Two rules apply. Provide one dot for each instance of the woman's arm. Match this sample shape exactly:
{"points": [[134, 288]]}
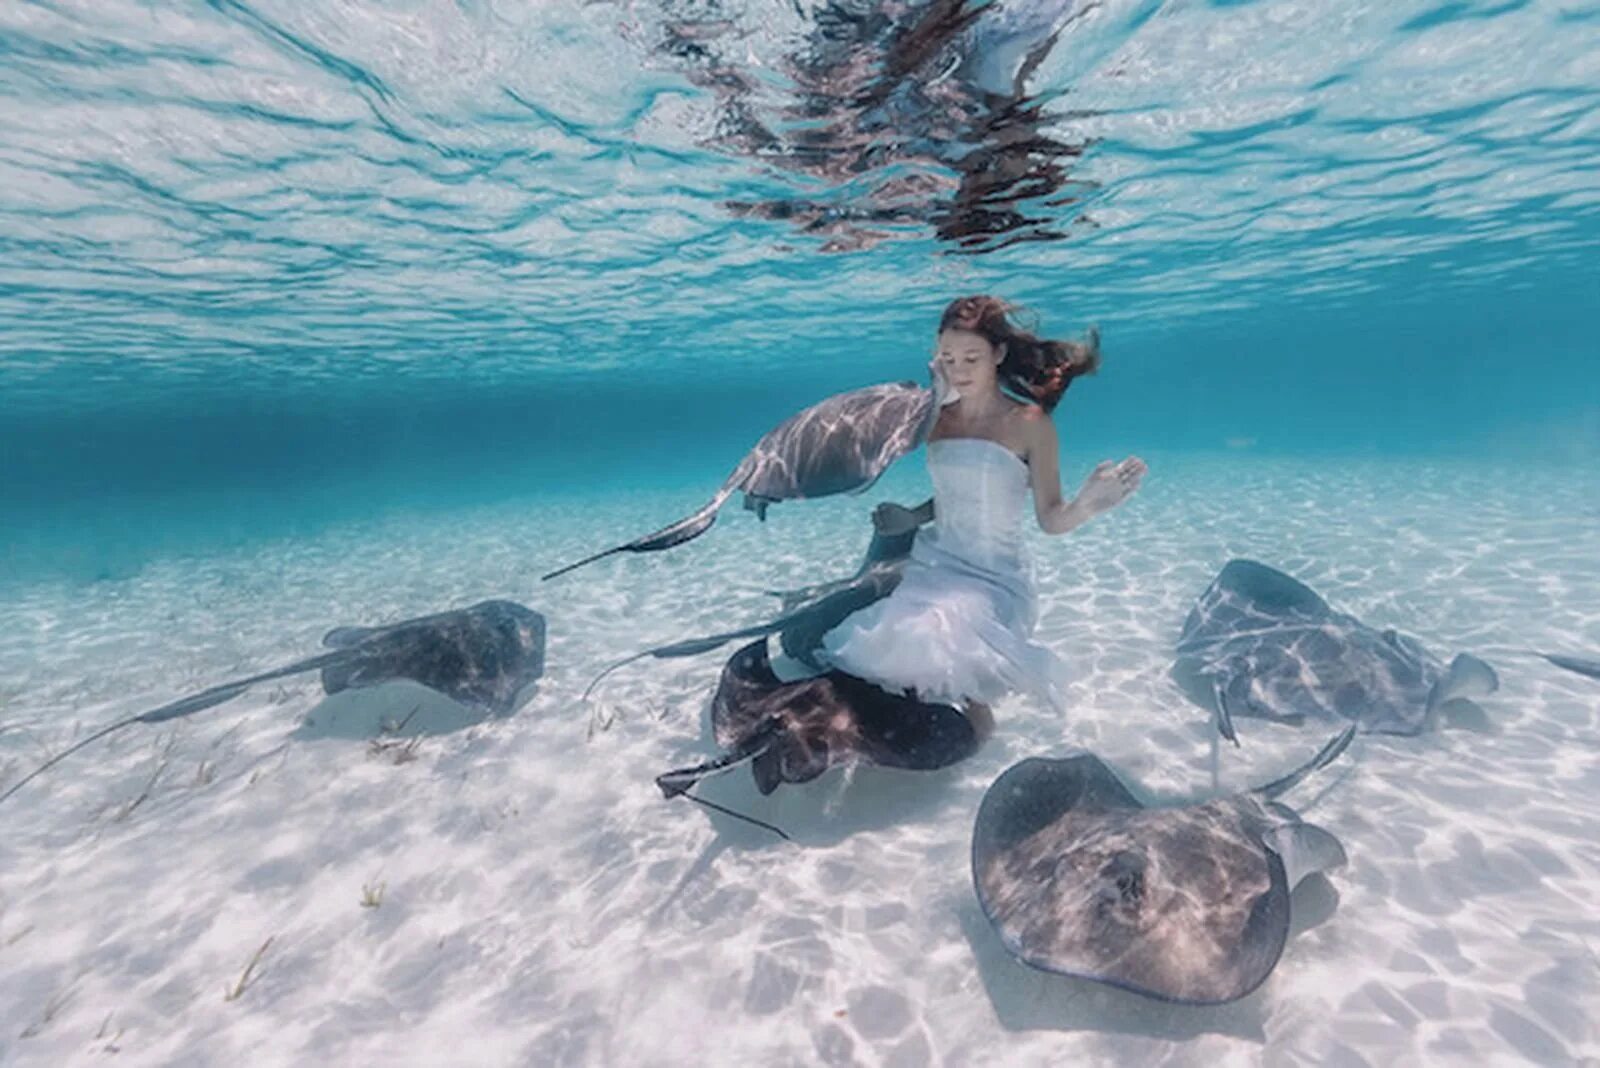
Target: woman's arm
{"points": [[1107, 486]]}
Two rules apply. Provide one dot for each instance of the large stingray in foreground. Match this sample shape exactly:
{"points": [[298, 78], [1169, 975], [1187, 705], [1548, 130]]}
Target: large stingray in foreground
{"points": [[1187, 903], [791, 732], [840, 445], [483, 656], [1260, 643]]}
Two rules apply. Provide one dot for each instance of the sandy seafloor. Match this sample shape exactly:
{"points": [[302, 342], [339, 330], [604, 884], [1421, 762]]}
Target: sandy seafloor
{"points": [[541, 904]]}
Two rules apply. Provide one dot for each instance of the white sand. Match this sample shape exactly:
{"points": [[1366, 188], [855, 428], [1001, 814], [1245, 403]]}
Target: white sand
{"points": [[542, 905]]}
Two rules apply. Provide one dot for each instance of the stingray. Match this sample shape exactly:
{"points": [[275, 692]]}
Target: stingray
{"points": [[883, 549], [483, 656], [792, 732], [1261, 644], [840, 445], [1186, 903], [806, 614]]}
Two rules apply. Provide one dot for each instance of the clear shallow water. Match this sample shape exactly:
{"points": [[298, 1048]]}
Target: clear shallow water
{"points": [[340, 315], [542, 904]]}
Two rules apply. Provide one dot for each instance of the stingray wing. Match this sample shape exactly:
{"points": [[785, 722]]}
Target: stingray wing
{"points": [[1249, 596], [804, 626]]}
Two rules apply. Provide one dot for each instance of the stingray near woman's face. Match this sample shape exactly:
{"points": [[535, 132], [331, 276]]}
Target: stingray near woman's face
{"points": [[1187, 903], [792, 732], [483, 656], [841, 445], [1259, 643]]}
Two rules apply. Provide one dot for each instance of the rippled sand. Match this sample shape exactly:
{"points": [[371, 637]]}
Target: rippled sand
{"points": [[539, 903]]}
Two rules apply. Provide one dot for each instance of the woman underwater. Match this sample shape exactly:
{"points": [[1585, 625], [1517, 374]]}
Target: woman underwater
{"points": [[958, 627]]}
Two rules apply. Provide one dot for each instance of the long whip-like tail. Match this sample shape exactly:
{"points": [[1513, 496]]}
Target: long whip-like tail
{"points": [[676, 783], [676, 534], [1325, 756], [726, 811], [183, 707]]}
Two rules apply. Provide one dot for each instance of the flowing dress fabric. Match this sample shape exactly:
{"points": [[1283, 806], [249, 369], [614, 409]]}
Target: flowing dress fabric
{"points": [[960, 622]]}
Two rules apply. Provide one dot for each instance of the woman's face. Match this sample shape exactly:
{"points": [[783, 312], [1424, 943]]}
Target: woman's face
{"points": [[969, 361]]}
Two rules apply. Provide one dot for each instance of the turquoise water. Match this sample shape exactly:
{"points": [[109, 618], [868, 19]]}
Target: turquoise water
{"points": [[265, 266], [315, 315]]}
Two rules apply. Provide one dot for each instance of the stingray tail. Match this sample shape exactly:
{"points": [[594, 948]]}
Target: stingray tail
{"points": [[624, 662], [1325, 756], [763, 824], [764, 737], [229, 690], [1224, 716], [183, 707], [59, 757], [683, 530], [586, 560], [678, 782], [688, 647]]}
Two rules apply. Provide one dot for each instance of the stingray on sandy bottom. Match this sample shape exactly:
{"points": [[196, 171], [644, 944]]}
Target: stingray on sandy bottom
{"points": [[839, 445], [792, 732], [1262, 644], [483, 656], [1187, 903]]}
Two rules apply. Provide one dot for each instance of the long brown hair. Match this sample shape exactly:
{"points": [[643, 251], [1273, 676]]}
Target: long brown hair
{"points": [[1035, 367]]}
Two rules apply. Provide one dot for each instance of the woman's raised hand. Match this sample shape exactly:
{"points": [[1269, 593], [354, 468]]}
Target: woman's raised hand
{"points": [[1110, 483], [942, 389]]}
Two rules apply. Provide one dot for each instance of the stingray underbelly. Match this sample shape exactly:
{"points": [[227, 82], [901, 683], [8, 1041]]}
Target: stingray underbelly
{"points": [[1178, 903]]}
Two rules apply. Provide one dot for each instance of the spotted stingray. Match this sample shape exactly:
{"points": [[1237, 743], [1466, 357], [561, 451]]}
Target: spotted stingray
{"points": [[792, 732], [1186, 903], [484, 656], [1260, 643]]}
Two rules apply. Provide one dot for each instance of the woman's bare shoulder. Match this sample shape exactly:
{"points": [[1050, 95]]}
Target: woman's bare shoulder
{"points": [[1029, 419], [1026, 411]]}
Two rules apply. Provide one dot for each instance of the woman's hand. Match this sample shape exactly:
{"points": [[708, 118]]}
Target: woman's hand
{"points": [[890, 520], [1109, 484], [943, 392]]}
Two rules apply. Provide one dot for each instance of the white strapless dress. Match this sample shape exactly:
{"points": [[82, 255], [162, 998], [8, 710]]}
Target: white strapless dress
{"points": [[960, 622]]}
